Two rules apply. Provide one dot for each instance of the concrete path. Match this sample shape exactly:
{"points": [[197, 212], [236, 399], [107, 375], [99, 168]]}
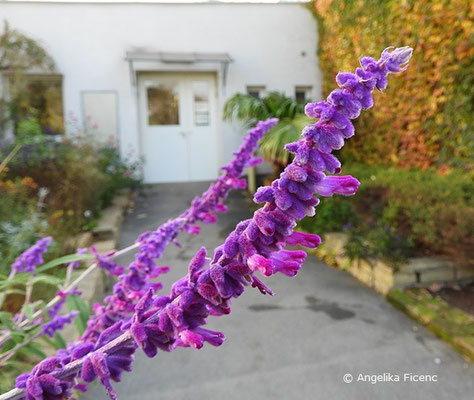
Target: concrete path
{"points": [[321, 325]]}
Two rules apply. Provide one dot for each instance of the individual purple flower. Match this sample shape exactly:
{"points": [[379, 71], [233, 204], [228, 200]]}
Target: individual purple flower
{"points": [[108, 366], [149, 337], [106, 263], [308, 240], [196, 337], [40, 384], [32, 257]]}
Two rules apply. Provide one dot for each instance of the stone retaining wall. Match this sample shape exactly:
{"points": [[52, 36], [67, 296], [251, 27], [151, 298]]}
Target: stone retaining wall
{"points": [[381, 276]]}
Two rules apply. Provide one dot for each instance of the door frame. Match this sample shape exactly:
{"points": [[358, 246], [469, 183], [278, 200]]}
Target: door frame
{"points": [[185, 77], [217, 68]]}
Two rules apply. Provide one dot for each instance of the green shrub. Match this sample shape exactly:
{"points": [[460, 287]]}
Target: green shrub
{"points": [[21, 219], [121, 172], [378, 241], [28, 128], [332, 215], [397, 213], [79, 178]]}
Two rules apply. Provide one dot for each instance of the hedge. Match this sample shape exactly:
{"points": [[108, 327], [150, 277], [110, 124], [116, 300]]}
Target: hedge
{"points": [[428, 120]]}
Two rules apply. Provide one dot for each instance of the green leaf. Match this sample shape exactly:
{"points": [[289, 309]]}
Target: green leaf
{"points": [[17, 336], [63, 260], [28, 310], [19, 279], [35, 349], [48, 341], [59, 342], [50, 279], [6, 320], [75, 302]]}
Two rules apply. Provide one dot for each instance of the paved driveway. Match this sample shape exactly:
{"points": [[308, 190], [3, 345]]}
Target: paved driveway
{"points": [[321, 325]]}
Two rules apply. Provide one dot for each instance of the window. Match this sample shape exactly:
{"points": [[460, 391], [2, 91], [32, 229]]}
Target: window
{"points": [[43, 100], [256, 91], [163, 104], [303, 94], [201, 103]]}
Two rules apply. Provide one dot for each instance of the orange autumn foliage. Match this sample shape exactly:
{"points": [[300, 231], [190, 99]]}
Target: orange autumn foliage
{"points": [[426, 118]]}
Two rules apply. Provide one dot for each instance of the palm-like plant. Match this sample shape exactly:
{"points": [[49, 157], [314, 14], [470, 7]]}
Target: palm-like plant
{"points": [[249, 110]]}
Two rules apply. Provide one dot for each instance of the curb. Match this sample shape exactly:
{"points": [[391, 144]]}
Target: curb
{"points": [[452, 325]]}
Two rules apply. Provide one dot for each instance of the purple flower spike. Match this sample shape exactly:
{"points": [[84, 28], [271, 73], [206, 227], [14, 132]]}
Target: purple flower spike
{"points": [[58, 322], [32, 257], [135, 283]]}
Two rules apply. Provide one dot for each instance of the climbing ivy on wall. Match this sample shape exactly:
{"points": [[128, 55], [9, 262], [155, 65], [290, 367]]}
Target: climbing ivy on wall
{"points": [[430, 122]]}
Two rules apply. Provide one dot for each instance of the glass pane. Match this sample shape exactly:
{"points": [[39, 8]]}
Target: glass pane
{"points": [[302, 93], [300, 96], [201, 103], [43, 98], [163, 105], [256, 92]]}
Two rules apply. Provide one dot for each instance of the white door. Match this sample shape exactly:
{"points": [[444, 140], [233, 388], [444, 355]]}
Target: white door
{"points": [[178, 126]]}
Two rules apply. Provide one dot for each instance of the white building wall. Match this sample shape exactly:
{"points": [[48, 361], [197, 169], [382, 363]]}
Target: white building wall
{"points": [[271, 44]]}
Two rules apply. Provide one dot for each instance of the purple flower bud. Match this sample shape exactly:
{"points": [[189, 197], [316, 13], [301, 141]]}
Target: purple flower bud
{"points": [[396, 59], [264, 223], [40, 384], [345, 185], [345, 102], [308, 240], [296, 173], [264, 289], [106, 263], [263, 194]]}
